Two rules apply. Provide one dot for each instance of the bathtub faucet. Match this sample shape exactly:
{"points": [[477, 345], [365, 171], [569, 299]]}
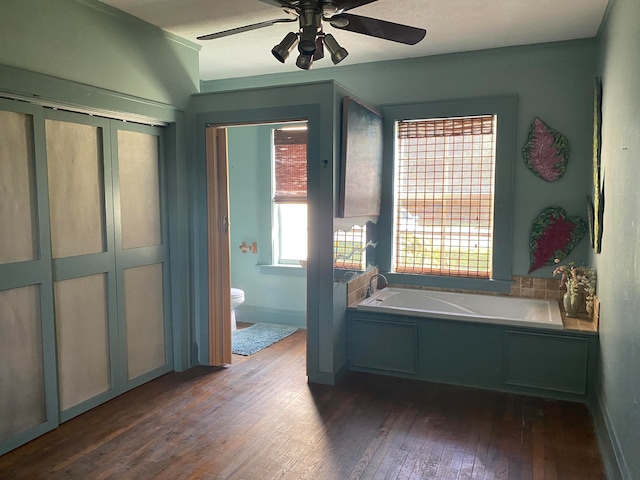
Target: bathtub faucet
{"points": [[371, 289]]}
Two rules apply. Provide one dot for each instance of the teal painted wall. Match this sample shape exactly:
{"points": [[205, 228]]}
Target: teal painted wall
{"points": [[266, 294], [88, 42], [618, 265], [552, 81]]}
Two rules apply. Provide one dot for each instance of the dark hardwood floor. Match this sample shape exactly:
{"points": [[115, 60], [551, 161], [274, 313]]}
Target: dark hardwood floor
{"points": [[259, 419]]}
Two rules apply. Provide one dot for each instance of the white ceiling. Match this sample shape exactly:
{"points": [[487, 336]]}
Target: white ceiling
{"points": [[452, 26]]}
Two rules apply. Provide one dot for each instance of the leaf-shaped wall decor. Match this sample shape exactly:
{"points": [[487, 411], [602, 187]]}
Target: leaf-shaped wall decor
{"points": [[553, 236], [546, 152]]}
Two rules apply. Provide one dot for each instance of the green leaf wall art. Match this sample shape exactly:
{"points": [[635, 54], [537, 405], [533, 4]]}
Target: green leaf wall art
{"points": [[546, 152], [553, 235], [598, 181]]}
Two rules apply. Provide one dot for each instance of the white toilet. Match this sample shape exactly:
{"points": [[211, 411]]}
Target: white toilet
{"points": [[237, 299]]}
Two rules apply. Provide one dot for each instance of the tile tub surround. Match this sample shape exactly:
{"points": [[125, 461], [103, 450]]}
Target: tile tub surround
{"points": [[357, 287], [553, 289], [543, 288]]}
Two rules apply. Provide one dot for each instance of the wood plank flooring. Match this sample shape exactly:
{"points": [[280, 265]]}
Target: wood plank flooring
{"points": [[260, 419]]}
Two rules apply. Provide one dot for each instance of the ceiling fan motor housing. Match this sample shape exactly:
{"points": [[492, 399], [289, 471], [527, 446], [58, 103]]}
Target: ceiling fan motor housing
{"points": [[310, 25]]}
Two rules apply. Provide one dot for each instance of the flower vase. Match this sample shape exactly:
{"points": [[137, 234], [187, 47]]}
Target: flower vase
{"points": [[572, 304]]}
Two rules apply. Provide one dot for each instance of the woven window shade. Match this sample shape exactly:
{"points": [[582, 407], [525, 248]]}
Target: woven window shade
{"points": [[349, 248], [444, 196], [290, 161]]}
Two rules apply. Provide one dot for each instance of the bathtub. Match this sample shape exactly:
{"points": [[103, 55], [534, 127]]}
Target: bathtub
{"points": [[524, 312]]}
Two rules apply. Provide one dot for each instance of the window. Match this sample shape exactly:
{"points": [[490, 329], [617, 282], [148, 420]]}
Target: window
{"points": [[290, 206], [407, 223], [444, 194], [349, 248], [290, 197]]}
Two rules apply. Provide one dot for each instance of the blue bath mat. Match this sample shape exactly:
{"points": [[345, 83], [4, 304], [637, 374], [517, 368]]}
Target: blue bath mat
{"points": [[247, 341]]}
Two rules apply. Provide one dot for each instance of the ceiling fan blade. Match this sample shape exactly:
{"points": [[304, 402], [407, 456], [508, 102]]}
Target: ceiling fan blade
{"points": [[345, 5], [319, 49], [373, 27], [280, 3], [246, 28]]}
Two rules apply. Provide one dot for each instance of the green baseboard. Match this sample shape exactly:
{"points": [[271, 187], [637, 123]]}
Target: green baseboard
{"points": [[612, 457], [255, 314]]}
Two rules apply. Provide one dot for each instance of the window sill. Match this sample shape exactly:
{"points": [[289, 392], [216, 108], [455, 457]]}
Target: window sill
{"points": [[286, 270]]}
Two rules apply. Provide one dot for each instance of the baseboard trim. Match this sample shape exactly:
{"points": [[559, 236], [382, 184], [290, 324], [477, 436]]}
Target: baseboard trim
{"points": [[255, 314], [327, 378], [612, 456]]}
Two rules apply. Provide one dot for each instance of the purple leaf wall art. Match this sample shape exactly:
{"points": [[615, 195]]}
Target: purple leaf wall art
{"points": [[546, 152], [553, 235]]}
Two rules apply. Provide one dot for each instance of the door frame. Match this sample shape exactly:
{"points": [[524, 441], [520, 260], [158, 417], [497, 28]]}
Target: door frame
{"points": [[309, 113]]}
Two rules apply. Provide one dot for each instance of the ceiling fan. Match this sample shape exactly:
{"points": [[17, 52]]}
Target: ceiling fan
{"points": [[310, 37]]}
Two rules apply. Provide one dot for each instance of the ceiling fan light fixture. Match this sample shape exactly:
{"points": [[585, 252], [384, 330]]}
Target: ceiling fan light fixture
{"points": [[304, 61], [307, 45], [338, 53], [283, 49]]}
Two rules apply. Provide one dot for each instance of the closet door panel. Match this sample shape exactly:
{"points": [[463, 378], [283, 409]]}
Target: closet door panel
{"points": [[76, 189], [18, 208], [22, 396], [139, 178], [83, 339], [144, 320]]}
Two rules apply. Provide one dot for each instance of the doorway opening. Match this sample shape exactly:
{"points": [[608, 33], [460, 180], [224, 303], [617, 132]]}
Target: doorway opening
{"points": [[257, 217]]}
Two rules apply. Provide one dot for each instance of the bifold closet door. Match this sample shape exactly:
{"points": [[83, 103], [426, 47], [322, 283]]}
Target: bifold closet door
{"points": [[81, 212], [109, 256], [141, 252], [28, 396], [84, 280]]}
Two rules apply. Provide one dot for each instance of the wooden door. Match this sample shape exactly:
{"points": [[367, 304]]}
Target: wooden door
{"points": [[218, 247]]}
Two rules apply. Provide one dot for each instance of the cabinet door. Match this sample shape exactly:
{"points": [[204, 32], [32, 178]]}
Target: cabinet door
{"points": [[386, 346], [550, 362], [463, 353]]}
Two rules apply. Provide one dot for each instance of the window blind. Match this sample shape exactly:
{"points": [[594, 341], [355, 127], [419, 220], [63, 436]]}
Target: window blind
{"points": [[445, 173], [290, 164], [349, 248]]}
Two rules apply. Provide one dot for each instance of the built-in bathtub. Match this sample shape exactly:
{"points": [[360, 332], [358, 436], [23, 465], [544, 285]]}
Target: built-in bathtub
{"points": [[526, 312]]}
